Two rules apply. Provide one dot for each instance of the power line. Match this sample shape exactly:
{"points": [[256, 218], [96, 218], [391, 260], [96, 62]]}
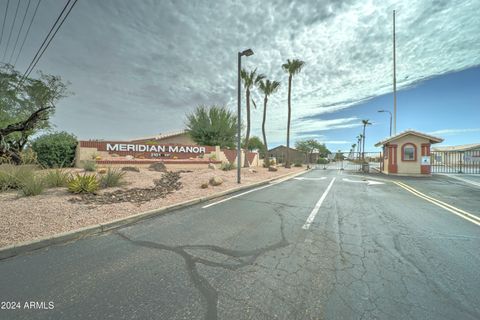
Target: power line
{"points": [[40, 51], [26, 33], [19, 31], [4, 19], [11, 29]]}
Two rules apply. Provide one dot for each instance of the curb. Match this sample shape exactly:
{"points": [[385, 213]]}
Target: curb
{"points": [[59, 238]]}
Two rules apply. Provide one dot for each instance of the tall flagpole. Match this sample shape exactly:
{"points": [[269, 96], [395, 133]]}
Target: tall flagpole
{"points": [[394, 82]]}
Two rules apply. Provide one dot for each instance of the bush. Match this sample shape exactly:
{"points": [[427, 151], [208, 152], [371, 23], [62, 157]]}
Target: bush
{"points": [[322, 161], [268, 163], [83, 184], [57, 178], [227, 166], [298, 164], [28, 156], [12, 176], [32, 186], [55, 149], [90, 166], [112, 178]]}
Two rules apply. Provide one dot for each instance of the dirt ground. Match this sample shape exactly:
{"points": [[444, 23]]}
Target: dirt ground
{"points": [[27, 218]]}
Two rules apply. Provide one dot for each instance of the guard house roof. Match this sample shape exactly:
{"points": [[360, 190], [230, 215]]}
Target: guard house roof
{"points": [[432, 139], [464, 147]]}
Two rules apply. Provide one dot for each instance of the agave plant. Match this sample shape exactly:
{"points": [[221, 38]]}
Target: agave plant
{"points": [[86, 183]]}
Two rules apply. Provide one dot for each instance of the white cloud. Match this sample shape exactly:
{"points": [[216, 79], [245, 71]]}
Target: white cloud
{"points": [[136, 68], [452, 132]]}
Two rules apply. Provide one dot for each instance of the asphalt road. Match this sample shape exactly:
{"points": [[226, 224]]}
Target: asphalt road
{"points": [[370, 251]]}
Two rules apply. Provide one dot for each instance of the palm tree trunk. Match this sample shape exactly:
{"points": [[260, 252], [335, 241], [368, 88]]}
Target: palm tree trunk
{"points": [[247, 135], [363, 144], [287, 161], [263, 132]]}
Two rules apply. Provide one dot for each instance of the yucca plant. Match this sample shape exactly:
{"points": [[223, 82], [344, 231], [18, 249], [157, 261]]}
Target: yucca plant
{"points": [[86, 183], [112, 178], [57, 178]]}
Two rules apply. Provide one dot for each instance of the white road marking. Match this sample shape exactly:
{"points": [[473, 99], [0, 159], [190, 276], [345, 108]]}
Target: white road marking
{"points": [[459, 212], [368, 182], [249, 191], [301, 178], [314, 212], [238, 195]]}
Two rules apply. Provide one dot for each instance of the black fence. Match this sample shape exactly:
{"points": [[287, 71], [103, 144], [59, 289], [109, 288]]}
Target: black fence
{"points": [[455, 162]]}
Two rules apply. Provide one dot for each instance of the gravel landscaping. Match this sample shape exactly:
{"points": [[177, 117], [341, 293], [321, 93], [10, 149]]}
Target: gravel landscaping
{"points": [[57, 210]]}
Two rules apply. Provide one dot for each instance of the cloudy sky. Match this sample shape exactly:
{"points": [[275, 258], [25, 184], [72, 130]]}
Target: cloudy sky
{"points": [[136, 67]]}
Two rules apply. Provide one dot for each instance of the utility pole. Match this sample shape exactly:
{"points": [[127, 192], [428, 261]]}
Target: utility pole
{"points": [[394, 81]]}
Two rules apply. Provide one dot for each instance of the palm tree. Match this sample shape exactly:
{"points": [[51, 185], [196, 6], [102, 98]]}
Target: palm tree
{"points": [[365, 123], [359, 145], [267, 87], [292, 67], [353, 151], [250, 79]]}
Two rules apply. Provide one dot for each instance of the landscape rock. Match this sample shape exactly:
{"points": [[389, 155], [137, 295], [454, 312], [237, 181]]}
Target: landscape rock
{"points": [[212, 166], [157, 166], [216, 181], [252, 170], [102, 171], [168, 183], [204, 185], [132, 169], [272, 168]]}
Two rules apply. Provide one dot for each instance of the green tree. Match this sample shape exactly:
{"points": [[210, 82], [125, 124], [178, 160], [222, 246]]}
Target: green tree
{"points": [[25, 108], [254, 143], [250, 79], [310, 146], [55, 150], [212, 126], [267, 87], [292, 67]]}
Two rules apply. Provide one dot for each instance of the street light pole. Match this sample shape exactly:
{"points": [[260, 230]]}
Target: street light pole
{"points": [[390, 119], [246, 53]]}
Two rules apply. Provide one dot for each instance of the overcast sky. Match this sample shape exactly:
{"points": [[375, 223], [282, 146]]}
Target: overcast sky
{"points": [[136, 67]]}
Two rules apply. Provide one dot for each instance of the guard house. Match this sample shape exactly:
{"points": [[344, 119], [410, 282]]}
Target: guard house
{"points": [[407, 153]]}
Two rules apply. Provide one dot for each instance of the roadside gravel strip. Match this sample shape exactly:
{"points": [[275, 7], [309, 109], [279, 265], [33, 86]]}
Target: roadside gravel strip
{"points": [[20, 248]]}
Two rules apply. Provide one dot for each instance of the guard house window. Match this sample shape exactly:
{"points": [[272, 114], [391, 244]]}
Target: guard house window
{"points": [[409, 152]]}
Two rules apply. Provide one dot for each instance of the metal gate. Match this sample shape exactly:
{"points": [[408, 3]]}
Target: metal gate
{"points": [[354, 161], [455, 161]]}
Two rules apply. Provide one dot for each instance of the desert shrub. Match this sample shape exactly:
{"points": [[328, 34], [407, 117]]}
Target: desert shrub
{"points": [[268, 163], [12, 176], [28, 156], [322, 161], [32, 186], [112, 178], [132, 169], [55, 149], [57, 178], [298, 164], [227, 166], [86, 183], [90, 166]]}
